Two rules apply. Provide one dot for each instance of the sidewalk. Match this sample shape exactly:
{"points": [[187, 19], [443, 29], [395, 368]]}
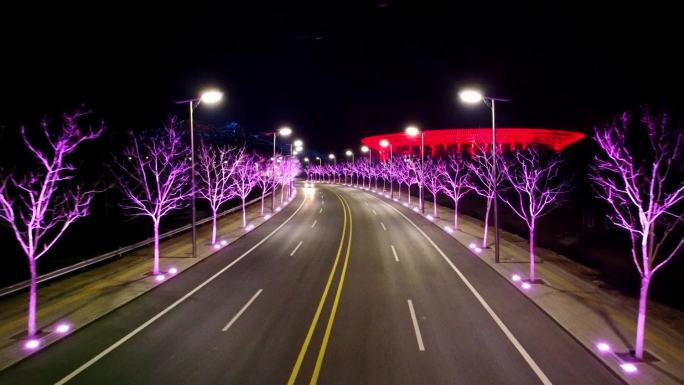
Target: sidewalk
{"points": [[578, 302], [87, 296]]}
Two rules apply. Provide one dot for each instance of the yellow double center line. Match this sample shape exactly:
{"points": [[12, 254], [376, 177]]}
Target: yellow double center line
{"points": [[328, 329]]}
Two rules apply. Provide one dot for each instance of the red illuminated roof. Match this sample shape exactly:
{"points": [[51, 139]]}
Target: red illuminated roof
{"points": [[458, 137]]}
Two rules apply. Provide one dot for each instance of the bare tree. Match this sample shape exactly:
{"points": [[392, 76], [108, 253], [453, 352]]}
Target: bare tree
{"points": [[40, 206], [456, 182], [245, 178], [484, 182], [634, 175], [217, 166], [434, 172], [267, 183], [536, 189], [153, 175]]}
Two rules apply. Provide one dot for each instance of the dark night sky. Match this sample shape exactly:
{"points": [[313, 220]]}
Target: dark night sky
{"points": [[336, 72]]}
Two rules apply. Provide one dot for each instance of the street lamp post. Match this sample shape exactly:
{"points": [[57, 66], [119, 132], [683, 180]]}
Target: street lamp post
{"points": [[351, 177], [208, 97], [386, 143], [472, 97], [413, 131], [370, 160], [298, 147], [283, 131], [331, 156]]}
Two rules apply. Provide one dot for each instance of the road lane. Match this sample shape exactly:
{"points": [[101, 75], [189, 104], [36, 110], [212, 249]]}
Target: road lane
{"points": [[373, 340], [186, 344]]}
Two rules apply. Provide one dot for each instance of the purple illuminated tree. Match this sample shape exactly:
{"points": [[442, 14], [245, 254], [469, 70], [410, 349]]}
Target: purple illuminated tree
{"points": [[154, 177], [266, 182], [216, 168], [415, 174], [456, 182], [40, 206], [246, 176], [401, 173], [433, 180], [483, 182], [536, 189], [635, 176]]}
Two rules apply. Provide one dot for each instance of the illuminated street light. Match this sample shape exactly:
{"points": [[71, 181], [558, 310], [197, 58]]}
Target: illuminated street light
{"points": [[472, 96], [298, 143], [284, 132], [386, 143], [211, 96], [413, 131]]}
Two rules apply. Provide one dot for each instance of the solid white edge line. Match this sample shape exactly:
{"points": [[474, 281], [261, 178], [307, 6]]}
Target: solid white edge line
{"points": [[236, 316], [396, 258], [514, 341], [383, 226], [416, 328], [314, 224], [170, 307], [296, 247]]}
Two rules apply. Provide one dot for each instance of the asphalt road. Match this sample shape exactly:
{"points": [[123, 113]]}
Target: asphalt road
{"points": [[339, 288]]}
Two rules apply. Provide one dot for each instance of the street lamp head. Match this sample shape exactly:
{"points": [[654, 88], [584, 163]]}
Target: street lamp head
{"points": [[285, 131], [331, 156], [295, 152], [211, 96], [298, 143], [306, 159], [412, 131], [470, 96], [364, 149], [384, 143], [349, 153], [299, 149], [318, 158]]}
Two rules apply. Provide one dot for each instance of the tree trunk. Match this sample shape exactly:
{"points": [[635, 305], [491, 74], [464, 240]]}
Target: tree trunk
{"points": [[244, 213], [213, 227], [262, 203], [486, 222], [155, 263], [533, 273], [434, 205], [641, 318], [455, 214], [408, 192], [33, 294]]}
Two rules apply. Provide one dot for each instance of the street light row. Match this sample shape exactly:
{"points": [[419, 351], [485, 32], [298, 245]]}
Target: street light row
{"points": [[468, 96], [214, 96]]}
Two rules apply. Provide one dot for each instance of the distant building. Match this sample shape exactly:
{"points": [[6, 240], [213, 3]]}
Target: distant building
{"points": [[453, 140]]}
